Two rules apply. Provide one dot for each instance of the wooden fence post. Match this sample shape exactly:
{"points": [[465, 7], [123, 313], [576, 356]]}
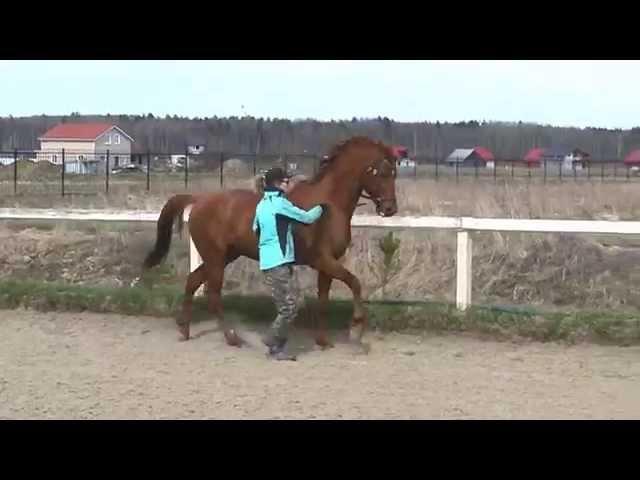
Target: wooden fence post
{"points": [[463, 270]]}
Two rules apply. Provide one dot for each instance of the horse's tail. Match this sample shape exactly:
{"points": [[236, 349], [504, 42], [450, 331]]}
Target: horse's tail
{"points": [[172, 209]]}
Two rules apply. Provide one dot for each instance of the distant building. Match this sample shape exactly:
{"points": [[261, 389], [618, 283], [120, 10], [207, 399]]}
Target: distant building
{"points": [[177, 160], [196, 149], [85, 146], [569, 158], [576, 158], [402, 157], [633, 160], [470, 157], [534, 157]]}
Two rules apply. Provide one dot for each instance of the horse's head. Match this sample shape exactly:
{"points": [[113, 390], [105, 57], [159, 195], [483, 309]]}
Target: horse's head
{"points": [[379, 180], [370, 166]]}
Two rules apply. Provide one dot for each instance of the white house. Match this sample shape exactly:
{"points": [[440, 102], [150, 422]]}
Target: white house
{"points": [[4, 161], [406, 163], [85, 147], [575, 159], [196, 149]]}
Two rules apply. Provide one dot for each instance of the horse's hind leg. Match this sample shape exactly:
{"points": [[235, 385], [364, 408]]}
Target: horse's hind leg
{"points": [[215, 278], [194, 280], [324, 286]]}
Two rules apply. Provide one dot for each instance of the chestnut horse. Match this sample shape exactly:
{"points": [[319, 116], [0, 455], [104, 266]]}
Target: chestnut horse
{"points": [[220, 227]]}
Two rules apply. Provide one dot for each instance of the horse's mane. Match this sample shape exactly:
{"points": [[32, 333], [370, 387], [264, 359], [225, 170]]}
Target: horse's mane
{"points": [[340, 148], [326, 164]]}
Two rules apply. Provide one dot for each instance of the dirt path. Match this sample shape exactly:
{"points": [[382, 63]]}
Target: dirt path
{"points": [[85, 365]]}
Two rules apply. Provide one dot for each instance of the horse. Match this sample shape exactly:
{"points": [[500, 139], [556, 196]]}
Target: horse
{"points": [[220, 225]]}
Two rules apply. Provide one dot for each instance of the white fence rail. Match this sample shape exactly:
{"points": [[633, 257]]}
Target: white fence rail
{"points": [[462, 225]]}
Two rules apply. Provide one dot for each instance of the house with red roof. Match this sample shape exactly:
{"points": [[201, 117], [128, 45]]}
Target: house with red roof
{"points": [[470, 157], [570, 158], [86, 146], [403, 160], [633, 158]]}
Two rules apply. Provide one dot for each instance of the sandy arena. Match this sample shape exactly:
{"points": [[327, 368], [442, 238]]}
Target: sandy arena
{"points": [[92, 366]]}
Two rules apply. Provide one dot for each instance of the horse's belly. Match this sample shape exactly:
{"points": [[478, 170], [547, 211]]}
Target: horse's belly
{"points": [[245, 243]]}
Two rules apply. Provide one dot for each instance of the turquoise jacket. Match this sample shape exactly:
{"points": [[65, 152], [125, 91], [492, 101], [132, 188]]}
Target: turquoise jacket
{"points": [[272, 223]]}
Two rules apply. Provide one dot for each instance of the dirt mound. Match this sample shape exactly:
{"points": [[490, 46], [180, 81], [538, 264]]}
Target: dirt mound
{"points": [[30, 171], [561, 270], [108, 259]]}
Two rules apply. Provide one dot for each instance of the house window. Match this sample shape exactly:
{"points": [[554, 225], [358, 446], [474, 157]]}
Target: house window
{"points": [[116, 139], [116, 160], [108, 142], [80, 158], [54, 158]]}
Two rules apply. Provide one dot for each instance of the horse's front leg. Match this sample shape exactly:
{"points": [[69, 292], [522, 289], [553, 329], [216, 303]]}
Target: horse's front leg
{"points": [[332, 268], [215, 278]]}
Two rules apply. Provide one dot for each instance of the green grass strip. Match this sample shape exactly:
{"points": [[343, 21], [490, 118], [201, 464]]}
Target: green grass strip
{"points": [[501, 322]]}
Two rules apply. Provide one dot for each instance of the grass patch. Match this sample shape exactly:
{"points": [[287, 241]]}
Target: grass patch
{"points": [[498, 322]]}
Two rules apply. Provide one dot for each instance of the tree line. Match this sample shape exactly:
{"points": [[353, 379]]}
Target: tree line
{"points": [[249, 135]]}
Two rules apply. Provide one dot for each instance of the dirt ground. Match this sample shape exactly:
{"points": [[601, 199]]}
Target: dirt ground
{"points": [[92, 366]]}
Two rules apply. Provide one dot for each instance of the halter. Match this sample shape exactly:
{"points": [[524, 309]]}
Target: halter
{"points": [[375, 171]]}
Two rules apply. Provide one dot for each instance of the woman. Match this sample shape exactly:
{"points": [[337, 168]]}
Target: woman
{"points": [[272, 223]]}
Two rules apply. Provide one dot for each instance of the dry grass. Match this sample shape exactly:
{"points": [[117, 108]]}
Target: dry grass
{"points": [[584, 200]]}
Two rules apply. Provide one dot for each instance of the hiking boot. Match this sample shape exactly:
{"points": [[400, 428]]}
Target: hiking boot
{"points": [[281, 355], [276, 348], [274, 342]]}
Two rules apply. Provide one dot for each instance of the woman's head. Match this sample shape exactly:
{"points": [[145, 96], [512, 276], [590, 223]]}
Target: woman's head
{"points": [[277, 178]]}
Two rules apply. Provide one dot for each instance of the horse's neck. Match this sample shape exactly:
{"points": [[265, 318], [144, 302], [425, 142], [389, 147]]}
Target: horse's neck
{"points": [[336, 187], [341, 192]]}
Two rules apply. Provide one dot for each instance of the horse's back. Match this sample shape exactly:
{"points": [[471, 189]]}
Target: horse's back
{"points": [[218, 203], [224, 219]]}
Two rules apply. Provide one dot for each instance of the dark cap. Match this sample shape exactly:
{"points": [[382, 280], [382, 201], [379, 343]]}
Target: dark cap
{"points": [[274, 175]]}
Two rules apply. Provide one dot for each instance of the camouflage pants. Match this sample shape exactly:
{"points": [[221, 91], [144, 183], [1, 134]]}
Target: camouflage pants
{"points": [[283, 291]]}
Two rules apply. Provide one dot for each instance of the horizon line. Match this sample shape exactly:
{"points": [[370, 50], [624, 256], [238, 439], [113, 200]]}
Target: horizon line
{"points": [[308, 119]]}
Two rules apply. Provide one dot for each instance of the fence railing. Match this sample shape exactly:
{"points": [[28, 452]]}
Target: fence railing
{"points": [[463, 226], [81, 172]]}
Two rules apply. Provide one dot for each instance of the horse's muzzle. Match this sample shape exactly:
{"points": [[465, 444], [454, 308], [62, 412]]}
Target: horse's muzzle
{"points": [[387, 208]]}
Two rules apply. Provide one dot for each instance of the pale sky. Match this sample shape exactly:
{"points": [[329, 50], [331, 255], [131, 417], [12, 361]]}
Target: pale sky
{"points": [[561, 93]]}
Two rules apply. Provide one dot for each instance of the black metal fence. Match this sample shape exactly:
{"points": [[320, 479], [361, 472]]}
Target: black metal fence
{"points": [[506, 170], [76, 172]]}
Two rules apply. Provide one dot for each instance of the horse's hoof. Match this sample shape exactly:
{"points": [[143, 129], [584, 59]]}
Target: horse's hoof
{"points": [[356, 332], [324, 344], [360, 348], [184, 333], [233, 339]]}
